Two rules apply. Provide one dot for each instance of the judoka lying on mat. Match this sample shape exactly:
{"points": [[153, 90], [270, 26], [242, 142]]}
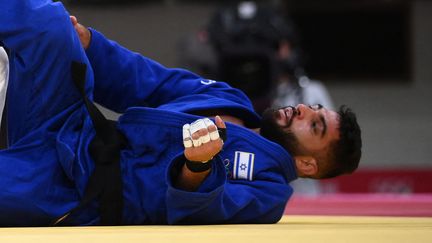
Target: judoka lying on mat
{"points": [[166, 161]]}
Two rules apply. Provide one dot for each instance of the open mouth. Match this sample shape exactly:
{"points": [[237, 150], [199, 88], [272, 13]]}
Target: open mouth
{"points": [[285, 116]]}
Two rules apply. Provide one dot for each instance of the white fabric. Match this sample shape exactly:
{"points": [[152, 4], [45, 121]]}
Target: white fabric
{"points": [[4, 78]]}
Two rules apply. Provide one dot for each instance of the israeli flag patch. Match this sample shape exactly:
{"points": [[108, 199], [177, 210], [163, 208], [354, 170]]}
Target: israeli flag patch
{"points": [[243, 165]]}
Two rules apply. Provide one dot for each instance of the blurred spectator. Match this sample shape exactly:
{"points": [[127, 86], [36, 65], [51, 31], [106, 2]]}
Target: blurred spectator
{"points": [[239, 45], [293, 86], [254, 49]]}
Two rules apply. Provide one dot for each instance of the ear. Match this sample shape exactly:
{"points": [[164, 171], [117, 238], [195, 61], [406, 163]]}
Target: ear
{"points": [[307, 166]]}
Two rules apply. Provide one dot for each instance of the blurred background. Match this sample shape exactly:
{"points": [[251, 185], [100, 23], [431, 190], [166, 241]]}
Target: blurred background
{"points": [[374, 56]]}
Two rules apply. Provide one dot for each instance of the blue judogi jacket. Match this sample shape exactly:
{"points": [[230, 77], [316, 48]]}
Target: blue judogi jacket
{"points": [[44, 172]]}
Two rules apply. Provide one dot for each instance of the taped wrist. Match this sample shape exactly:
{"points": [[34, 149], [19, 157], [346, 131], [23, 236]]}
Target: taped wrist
{"points": [[198, 166]]}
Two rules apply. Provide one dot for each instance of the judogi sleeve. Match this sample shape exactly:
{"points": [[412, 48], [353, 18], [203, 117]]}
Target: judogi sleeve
{"points": [[124, 78], [235, 201]]}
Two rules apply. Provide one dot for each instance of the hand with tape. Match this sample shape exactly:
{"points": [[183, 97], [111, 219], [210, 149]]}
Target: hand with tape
{"points": [[202, 140]]}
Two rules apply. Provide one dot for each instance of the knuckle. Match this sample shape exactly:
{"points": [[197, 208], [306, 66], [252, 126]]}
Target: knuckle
{"points": [[211, 128], [203, 132], [195, 135]]}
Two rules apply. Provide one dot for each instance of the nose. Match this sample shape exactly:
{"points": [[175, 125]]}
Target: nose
{"points": [[301, 111]]}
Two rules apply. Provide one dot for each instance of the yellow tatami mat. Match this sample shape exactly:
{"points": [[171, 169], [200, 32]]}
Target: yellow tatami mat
{"points": [[294, 229]]}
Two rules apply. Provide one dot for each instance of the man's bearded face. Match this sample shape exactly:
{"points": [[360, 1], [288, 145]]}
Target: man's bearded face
{"points": [[282, 135]]}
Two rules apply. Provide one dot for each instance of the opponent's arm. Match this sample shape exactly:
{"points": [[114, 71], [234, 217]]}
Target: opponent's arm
{"points": [[124, 78]]}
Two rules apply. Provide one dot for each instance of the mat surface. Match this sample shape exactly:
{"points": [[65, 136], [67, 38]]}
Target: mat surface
{"points": [[296, 229]]}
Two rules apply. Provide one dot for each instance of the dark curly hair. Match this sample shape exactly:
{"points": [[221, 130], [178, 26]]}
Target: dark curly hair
{"points": [[345, 153]]}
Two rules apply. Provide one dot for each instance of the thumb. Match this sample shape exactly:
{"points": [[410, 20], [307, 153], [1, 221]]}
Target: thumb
{"points": [[219, 122], [221, 128], [73, 20]]}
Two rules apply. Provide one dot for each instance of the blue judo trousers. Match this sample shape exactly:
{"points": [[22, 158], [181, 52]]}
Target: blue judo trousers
{"points": [[46, 168]]}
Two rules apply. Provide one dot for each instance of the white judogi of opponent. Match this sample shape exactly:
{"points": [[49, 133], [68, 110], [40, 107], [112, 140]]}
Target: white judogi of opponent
{"points": [[4, 77]]}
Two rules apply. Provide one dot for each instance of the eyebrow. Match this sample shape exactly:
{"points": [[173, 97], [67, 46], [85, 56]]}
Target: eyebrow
{"points": [[324, 130]]}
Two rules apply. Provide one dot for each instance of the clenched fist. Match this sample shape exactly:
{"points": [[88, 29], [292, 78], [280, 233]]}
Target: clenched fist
{"points": [[202, 140]]}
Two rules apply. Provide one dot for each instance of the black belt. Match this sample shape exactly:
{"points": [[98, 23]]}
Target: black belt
{"points": [[105, 184]]}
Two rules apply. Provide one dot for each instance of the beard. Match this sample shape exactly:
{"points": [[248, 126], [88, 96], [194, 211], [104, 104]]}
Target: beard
{"points": [[280, 135]]}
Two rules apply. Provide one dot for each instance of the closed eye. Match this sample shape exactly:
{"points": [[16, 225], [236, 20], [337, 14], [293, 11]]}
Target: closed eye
{"points": [[324, 125], [316, 107], [314, 127]]}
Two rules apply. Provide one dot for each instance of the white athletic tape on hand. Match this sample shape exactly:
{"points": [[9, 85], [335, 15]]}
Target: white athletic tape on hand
{"points": [[195, 127], [208, 122], [197, 142], [206, 138], [212, 135], [187, 139]]}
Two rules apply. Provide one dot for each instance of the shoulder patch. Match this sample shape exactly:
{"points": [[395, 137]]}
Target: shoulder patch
{"points": [[243, 165]]}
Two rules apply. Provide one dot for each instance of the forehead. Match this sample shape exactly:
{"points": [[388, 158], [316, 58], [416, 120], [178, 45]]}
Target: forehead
{"points": [[332, 120]]}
